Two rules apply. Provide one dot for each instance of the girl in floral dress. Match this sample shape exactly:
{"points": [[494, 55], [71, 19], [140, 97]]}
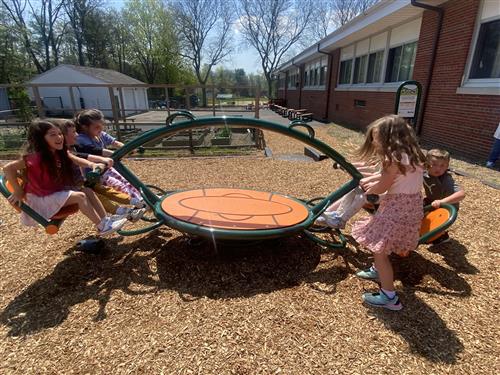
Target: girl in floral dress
{"points": [[395, 226]]}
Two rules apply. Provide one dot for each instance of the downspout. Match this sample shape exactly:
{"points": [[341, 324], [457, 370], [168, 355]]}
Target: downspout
{"points": [[300, 83], [440, 12], [330, 69]]}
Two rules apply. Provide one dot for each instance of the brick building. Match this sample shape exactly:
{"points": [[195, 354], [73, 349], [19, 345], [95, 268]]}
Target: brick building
{"points": [[452, 47]]}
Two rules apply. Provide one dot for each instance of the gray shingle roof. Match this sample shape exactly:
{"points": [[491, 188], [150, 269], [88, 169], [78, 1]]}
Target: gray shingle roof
{"points": [[106, 75]]}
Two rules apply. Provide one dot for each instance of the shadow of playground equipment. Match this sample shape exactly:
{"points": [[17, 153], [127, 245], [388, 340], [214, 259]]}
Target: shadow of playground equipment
{"points": [[192, 271], [259, 267], [199, 271]]}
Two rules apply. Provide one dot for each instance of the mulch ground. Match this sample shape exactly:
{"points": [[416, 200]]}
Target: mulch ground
{"points": [[158, 303]]}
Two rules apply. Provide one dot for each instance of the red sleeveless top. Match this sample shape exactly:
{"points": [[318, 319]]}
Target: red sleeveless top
{"points": [[39, 182]]}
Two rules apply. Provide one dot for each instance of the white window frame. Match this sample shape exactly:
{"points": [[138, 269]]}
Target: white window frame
{"points": [[478, 86], [381, 86], [313, 69]]}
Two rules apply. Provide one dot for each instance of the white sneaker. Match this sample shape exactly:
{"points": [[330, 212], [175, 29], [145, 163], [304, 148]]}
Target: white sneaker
{"points": [[110, 225], [490, 164], [334, 220], [122, 211], [137, 203], [135, 215]]}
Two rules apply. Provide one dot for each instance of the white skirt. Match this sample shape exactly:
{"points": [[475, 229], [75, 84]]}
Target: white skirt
{"points": [[46, 206]]}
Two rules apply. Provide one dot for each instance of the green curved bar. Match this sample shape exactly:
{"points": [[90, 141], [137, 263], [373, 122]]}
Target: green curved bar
{"points": [[224, 121], [25, 208], [141, 230], [332, 245], [179, 113], [453, 216], [308, 127]]}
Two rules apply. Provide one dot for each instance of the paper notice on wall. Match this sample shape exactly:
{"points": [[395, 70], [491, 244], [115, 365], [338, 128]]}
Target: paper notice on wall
{"points": [[408, 101]]}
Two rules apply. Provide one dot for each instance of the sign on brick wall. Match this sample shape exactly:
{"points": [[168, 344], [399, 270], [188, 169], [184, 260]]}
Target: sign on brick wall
{"points": [[408, 100]]}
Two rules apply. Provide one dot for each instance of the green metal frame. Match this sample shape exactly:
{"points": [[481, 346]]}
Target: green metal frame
{"points": [[161, 218], [154, 201]]}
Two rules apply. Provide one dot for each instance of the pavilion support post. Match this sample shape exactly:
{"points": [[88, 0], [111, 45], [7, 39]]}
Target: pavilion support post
{"points": [[114, 109], [73, 103], [38, 101]]}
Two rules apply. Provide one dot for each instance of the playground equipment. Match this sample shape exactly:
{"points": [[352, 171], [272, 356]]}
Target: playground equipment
{"points": [[239, 214]]}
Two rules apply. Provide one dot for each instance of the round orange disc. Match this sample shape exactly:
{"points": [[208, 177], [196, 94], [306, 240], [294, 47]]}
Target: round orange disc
{"points": [[235, 209], [432, 220]]}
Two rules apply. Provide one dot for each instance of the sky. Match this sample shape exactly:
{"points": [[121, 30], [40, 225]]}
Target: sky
{"points": [[242, 57]]}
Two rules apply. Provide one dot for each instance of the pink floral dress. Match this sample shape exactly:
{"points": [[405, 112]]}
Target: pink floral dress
{"points": [[396, 224]]}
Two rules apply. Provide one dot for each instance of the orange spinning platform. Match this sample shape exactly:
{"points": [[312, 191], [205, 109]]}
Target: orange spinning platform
{"points": [[236, 209]]}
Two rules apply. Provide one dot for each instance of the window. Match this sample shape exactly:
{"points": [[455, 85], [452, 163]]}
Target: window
{"points": [[314, 73], [375, 61], [486, 61], [400, 62], [359, 103], [345, 72], [322, 75], [293, 79], [360, 69]]}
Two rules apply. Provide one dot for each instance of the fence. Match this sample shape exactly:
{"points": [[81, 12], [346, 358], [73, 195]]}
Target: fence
{"points": [[121, 103]]}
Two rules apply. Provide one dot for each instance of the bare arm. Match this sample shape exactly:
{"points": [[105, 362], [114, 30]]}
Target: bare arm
{"points": [[117, 144], [101, 160], [10, 171], [382, 184], [450, 199], [81, 162]]}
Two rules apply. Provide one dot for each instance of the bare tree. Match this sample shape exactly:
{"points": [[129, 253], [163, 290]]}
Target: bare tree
{"points": [[204, 30], [16, 9], [273, 27], [78, 11], [331, 14], [44, 19]]}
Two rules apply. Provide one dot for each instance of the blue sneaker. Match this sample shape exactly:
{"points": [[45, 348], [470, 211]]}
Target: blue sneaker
{"points": [[380, 299], [369, 274]]}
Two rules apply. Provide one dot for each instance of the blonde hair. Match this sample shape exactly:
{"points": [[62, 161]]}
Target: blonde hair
{"points": [[396, 138], [438, 154]]}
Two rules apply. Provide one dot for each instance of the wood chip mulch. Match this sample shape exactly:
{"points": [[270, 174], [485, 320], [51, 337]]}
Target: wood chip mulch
{"points": [[159, 303]]}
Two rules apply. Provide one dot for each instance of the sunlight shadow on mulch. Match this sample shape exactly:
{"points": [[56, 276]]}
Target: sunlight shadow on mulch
{"points": [[423, 329], [192, 271], [81, 277], [233, 272]]}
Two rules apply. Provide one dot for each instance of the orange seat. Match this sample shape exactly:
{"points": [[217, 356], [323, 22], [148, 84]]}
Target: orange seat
{"points": [[432, 220], [61, 214], [65, 212]]}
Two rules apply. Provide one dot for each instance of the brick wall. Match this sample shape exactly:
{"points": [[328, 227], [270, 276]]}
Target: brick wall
{"points": [[292, 99], [343, 109], [315, 102], [463, 124]]}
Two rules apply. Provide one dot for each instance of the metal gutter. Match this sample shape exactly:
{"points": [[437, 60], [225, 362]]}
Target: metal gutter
{"points": [[435, 42], [329, 65], [300, 82]]}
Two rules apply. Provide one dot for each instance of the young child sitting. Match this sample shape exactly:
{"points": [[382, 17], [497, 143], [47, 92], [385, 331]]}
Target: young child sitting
{"points": [[439, 185], [109, 197], [50, 180], [93, 139]]}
